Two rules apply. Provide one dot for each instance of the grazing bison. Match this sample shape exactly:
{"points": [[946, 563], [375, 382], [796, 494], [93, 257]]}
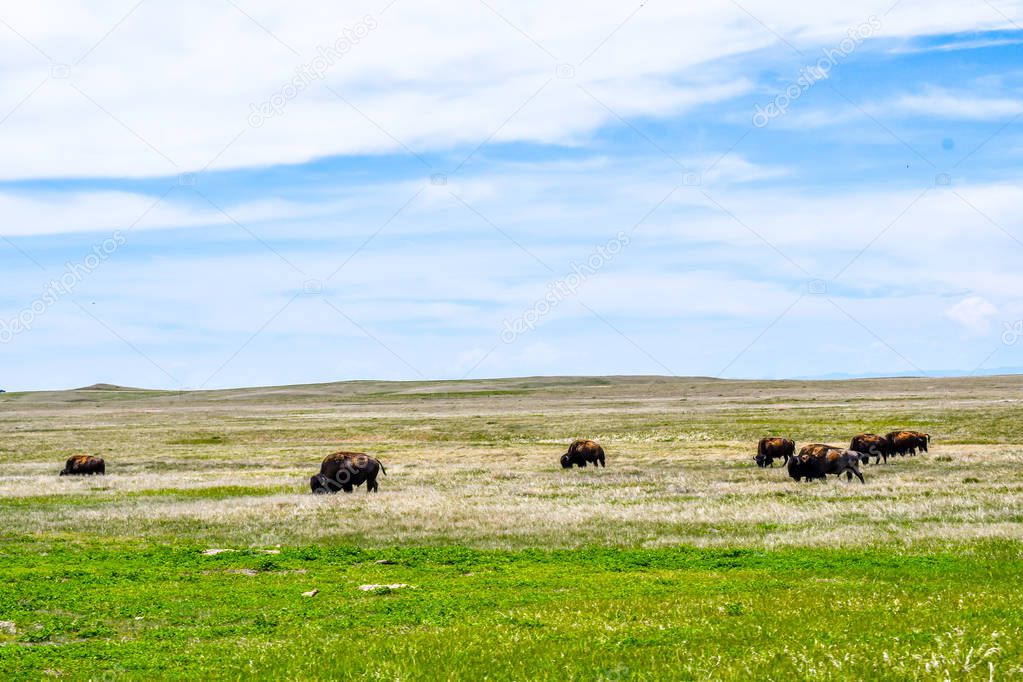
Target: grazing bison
{"points": [[908, 442], [817, 449], [770, 449], [582, 452], [345, 471], [871, 445], [84, 465], [818, 460]]}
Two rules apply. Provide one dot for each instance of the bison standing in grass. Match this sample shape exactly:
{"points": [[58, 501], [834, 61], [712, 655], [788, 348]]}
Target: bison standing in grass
{"points": [[770, 449], [908, 442], [818, 460], [84, 465], [871, 445], [583, 452], [345, 471]]}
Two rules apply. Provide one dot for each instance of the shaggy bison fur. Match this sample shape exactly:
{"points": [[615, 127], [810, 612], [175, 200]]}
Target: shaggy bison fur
{"points": [[908, 442], [84, 465], [770, 449], [818, 460], [583, 452], [345, 471], [871, 445]]}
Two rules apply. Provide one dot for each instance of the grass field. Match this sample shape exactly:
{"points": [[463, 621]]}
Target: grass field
{"points": [[681, 560]]}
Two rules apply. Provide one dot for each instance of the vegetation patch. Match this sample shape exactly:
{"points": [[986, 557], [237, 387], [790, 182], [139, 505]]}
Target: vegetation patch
{"points": [[139, 611]]}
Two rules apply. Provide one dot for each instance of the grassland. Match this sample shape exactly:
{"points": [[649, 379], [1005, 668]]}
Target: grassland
{"points": [[681, 560]]}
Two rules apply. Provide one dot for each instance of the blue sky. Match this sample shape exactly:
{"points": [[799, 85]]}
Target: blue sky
{"points": [[455, 166]]}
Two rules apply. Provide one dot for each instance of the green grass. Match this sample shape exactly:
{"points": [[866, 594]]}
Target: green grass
{"points": [[138, 612], [680, 560]]}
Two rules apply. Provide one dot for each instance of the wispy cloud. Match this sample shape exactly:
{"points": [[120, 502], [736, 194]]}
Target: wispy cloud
{"points": [[452, 163], [941, 103]]}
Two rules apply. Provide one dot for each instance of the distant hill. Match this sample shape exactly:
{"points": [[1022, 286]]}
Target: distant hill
{"points": [[106, 387]]}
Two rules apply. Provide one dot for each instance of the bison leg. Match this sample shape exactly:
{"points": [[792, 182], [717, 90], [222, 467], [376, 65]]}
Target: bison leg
{"points": [[371, 485]]}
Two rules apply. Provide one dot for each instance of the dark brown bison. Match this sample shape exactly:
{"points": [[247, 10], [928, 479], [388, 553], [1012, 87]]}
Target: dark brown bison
{"points": [[345, 471], [583, 452], [871, 445], [818, 460], [817, 449], [908, 442], [770, 449], [84, 465]]}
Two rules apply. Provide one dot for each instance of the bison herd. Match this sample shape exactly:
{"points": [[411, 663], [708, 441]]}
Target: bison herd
{"points": [[817, 460], [345, 471]]}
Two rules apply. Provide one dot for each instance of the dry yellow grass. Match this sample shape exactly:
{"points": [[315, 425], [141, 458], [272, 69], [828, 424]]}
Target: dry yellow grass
{"points": [[476, 463]]}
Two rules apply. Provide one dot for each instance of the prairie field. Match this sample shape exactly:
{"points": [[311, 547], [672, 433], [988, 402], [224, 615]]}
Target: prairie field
{"points": [[482, 558]]}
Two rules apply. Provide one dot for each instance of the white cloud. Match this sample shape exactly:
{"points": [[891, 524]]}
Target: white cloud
{"points": [[172, 85], [932, 102], [941, 103], [48, 213], [956, 45], [974, 314]]}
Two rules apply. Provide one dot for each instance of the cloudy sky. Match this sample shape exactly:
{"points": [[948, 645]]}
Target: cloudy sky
{"points": [[238, 192]]}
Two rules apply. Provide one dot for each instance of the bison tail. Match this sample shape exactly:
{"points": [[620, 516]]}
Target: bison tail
{"points": [[383, 469]]}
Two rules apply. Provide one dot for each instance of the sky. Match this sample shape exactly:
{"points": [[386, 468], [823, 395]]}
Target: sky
{"points": [[236, 192]]}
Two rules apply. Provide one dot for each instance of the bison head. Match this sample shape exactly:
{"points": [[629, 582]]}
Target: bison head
{"points": [[566, 461], [318, 485]]}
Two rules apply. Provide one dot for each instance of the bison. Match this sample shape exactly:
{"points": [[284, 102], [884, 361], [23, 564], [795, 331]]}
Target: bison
{"points": [[818, 460], [345, 471], [770, 449], [871, 445], [84, 465], [908, 442], [583, 452]]}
